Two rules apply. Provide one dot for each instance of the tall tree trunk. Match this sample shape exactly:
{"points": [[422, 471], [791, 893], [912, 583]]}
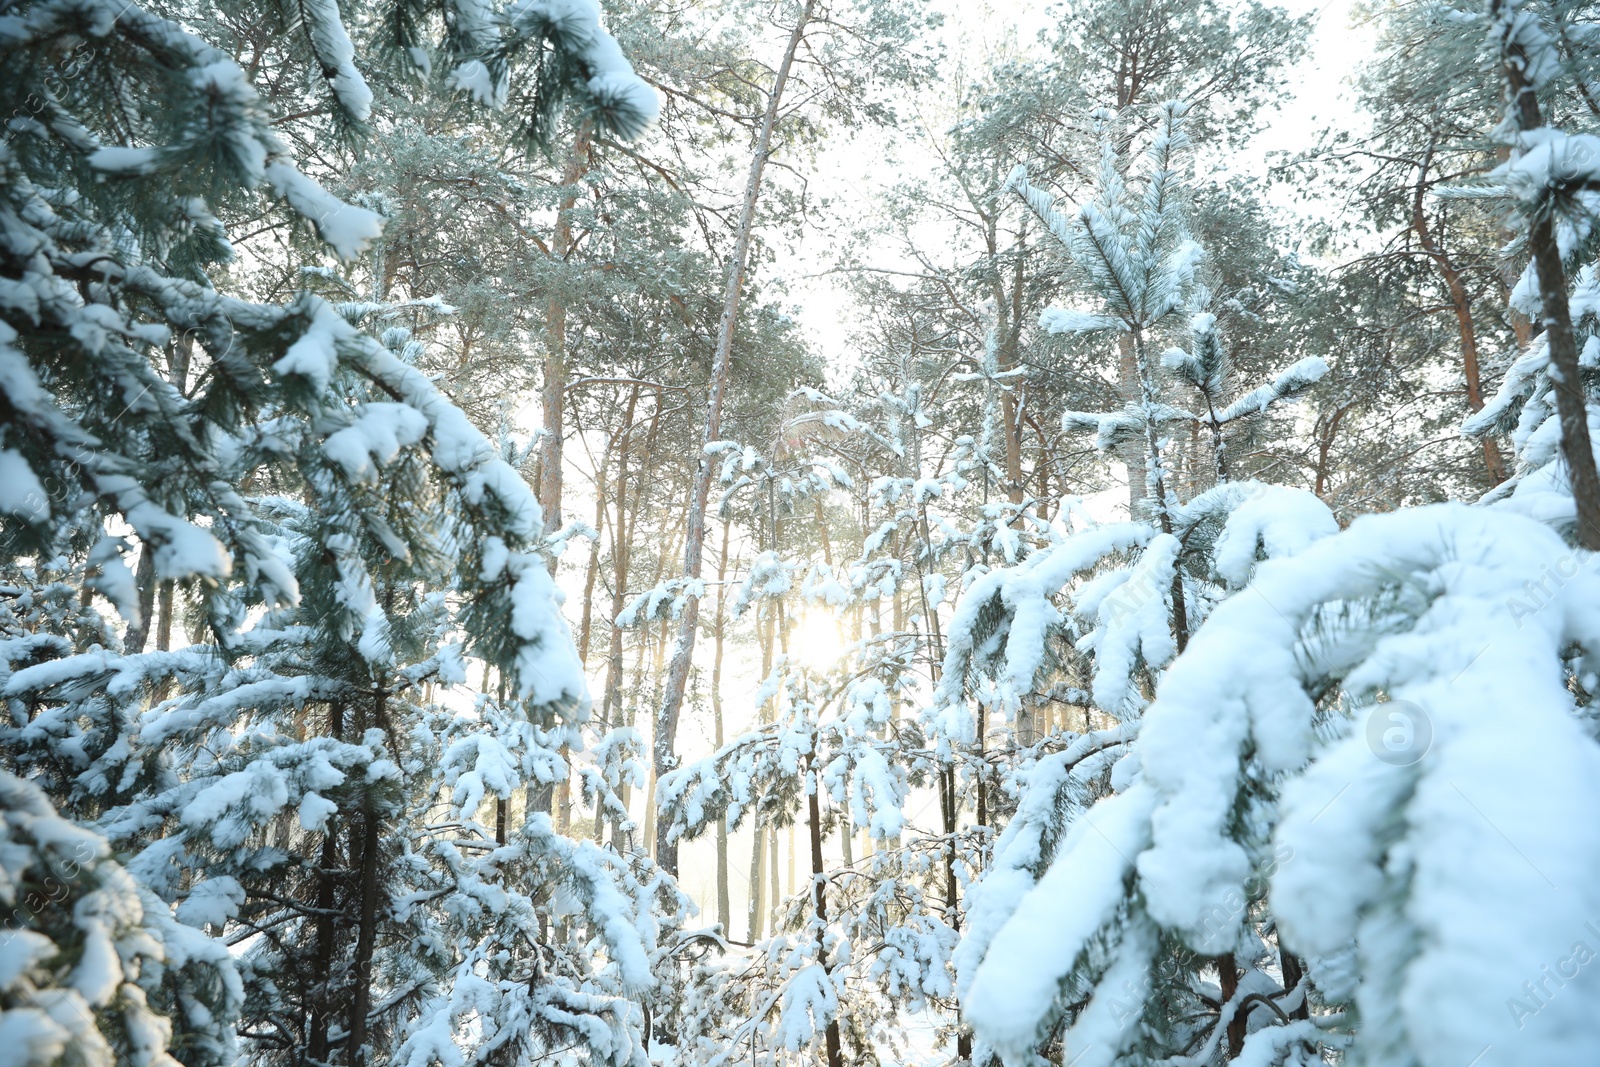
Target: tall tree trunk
{"points": [[774, 886], [1570, 403], [1133, 450], [144, 579], [367, 908], [178, 357], [1293, 973], [819, 902], [949, 800], [694, 543], [164, 628], [621, 546], [1505, 233], [321, 997], [366, 937], [758, 855], [1327, 432], [1156, 480], [1228, 975], [1009, 356], [1461, 304], [552, 393], [719, 627], [591, 569], [621, 557], [983, 781]]}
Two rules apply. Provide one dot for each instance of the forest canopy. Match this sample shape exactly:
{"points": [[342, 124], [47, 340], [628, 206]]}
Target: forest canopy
{"points": [[872, 532]]}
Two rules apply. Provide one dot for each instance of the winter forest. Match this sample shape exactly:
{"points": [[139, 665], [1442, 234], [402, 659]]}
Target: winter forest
{"points": [[847, 533]]}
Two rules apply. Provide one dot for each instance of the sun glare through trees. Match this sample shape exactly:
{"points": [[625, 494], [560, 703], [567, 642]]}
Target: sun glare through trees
{"points": [[799, 533]]}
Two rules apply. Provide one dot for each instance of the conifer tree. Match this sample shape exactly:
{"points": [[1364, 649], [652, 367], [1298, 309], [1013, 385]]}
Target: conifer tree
{"points": [[1295, 814], [1134, 592], [97, 971], [342, 537]]}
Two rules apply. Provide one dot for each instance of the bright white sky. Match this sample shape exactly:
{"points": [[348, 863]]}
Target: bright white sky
{"points": [[854, 172]]}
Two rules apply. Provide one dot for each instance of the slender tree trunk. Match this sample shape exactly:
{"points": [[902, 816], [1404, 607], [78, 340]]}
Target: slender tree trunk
{"points": [[144, 579], [983, 781], [1133, 449], [1327, 433], [366, 937], [591, 570], [585, 636], [694, 544], [774, 886], [758, 855], [1009, 355], [1570, 403], [1461, 304], [1228, 974], [367, 910], [625, 791], [819, 903], [164, 628], [719, 627], [1505, 233], [321, 997], [1293, 972], [178, 374], [620, 555], [1156, 481], [789, 863], [949, 799], [552, 393], [651, 842]]}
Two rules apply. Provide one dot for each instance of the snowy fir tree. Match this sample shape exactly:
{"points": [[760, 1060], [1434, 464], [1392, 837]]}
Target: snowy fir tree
{"points": [[1134, 593], [1279, 866], [299, 797], [1055, 588], [97, 970]]}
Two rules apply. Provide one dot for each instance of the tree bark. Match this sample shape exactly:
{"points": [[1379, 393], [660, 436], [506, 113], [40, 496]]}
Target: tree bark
{"points": [[1156, 482], [591, 570], [1327, 432], [144, 579], [1570, 403], [757, 877], [694, 544], [1228, 975], [552, 394], [1133, 457], [1293, 973], [1461, 304], [620, 555], [774, 886], [366, 937], [137, 637], [819, 902], [367, 908], [320, 996], [1009, 355], [719, 627]]}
